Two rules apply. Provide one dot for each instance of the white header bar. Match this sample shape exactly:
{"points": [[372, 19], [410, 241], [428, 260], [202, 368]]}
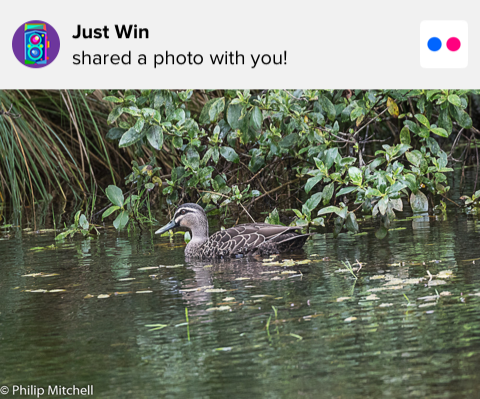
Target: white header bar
{"points": [[264, 44]]}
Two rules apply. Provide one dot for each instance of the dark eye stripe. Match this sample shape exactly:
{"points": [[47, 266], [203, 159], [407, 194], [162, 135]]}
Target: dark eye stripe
{"points": [[179, 212]]}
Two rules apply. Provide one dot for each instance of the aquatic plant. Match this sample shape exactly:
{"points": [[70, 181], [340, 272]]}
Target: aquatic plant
{"points": [[52, 146]]}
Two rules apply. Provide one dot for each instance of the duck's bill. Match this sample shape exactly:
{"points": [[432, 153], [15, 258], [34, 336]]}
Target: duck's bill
{"points": [[167, 227]]}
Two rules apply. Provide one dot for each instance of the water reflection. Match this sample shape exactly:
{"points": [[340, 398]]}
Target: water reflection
{"points": [[409, 326]]}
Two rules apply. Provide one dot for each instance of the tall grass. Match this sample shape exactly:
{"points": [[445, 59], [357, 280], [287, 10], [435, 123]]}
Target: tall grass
{"points": [[52, 146]]}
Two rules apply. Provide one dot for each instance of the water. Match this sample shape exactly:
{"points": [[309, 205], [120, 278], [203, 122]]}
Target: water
{"points": [[383, 340]]}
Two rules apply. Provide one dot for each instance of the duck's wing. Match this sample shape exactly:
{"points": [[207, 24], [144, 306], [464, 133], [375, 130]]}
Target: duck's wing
{"points": [[247, 238]]}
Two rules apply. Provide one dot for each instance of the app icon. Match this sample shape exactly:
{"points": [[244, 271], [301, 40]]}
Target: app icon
{"points": [[36, 44], [444, 44]]}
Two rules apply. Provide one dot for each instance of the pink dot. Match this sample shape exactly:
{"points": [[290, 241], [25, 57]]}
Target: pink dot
{"points": [[453, 44]]}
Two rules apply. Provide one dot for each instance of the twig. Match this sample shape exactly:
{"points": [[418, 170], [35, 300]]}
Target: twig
{"points": [[226, 196], [360, 268]]}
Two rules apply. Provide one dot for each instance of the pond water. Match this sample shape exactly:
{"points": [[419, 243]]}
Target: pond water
{"points": [[110, 312]]}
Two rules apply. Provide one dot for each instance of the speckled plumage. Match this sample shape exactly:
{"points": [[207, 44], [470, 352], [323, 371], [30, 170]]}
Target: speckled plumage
{"points": [[242, 240]]}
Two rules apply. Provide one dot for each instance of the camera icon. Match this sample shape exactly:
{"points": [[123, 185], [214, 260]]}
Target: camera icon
{"points": [[36, 44]]}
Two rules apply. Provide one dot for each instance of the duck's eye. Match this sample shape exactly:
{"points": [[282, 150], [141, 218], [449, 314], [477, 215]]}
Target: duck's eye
{"points": [[183, 212]]}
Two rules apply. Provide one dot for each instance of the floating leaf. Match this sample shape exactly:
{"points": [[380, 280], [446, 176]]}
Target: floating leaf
{"points": [[343, 298], [220, 308], [156, 326]]}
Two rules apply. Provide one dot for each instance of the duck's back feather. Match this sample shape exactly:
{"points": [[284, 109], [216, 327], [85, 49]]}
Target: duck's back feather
{"points": [[252, 239]]}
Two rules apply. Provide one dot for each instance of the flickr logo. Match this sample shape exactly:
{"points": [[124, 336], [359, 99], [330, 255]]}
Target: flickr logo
{"points": [[444, 44]]}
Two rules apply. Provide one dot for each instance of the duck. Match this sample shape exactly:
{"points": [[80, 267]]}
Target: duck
{"points": [[250, 239]]}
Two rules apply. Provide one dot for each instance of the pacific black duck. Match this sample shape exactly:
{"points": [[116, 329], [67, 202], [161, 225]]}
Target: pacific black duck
{"points": [[242, 240]]}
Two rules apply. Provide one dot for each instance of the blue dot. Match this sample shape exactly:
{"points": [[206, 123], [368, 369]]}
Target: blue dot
{"points": [[434, 44]]}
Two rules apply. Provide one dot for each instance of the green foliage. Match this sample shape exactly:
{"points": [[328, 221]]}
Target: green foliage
{"points": [[472, 204], [238, 146], [80, 225], [51, 145], [142, 180]]}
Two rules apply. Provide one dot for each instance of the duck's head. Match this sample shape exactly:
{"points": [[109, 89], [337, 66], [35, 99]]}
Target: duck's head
{"points": [[191, 216]]}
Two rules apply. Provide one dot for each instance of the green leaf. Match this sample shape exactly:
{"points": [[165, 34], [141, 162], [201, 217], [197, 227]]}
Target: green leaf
{"points": [[445, 121], [433, 145], [121, 221], [355, 175], [356, 113], [139, 124], [382, 205], [229, 154], [313, 201], [298, 213], [193, 157], [397, 204], [405, 136], [464, 119], [177, 142], [113, 99], [412, 126], [63, 235], [273, 217], [83, 222], [414, 157], [115, 195], [301, 222], [312, 182], [423, 120], [131, 136], [256, 162], [205, 114], [347, 161], [234, 112], [440, 131], [328, 107], [373, 192], [351, 223], [217, 107], [330, 156], [115, 133], [289, 141], [318, 222], [328, 192], [455, 100], [114, 115], [109, 211], [411, 182], [179, 115], [395, 187], [419, 202], [329, 209], [256, 118], [346, 190], [155, 137]]}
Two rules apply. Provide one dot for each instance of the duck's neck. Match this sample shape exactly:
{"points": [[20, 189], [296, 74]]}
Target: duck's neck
{"points": [[199, 236]]}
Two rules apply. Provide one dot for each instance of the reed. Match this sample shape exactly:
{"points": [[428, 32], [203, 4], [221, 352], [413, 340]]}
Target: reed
{"points": [[52, 146]]}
